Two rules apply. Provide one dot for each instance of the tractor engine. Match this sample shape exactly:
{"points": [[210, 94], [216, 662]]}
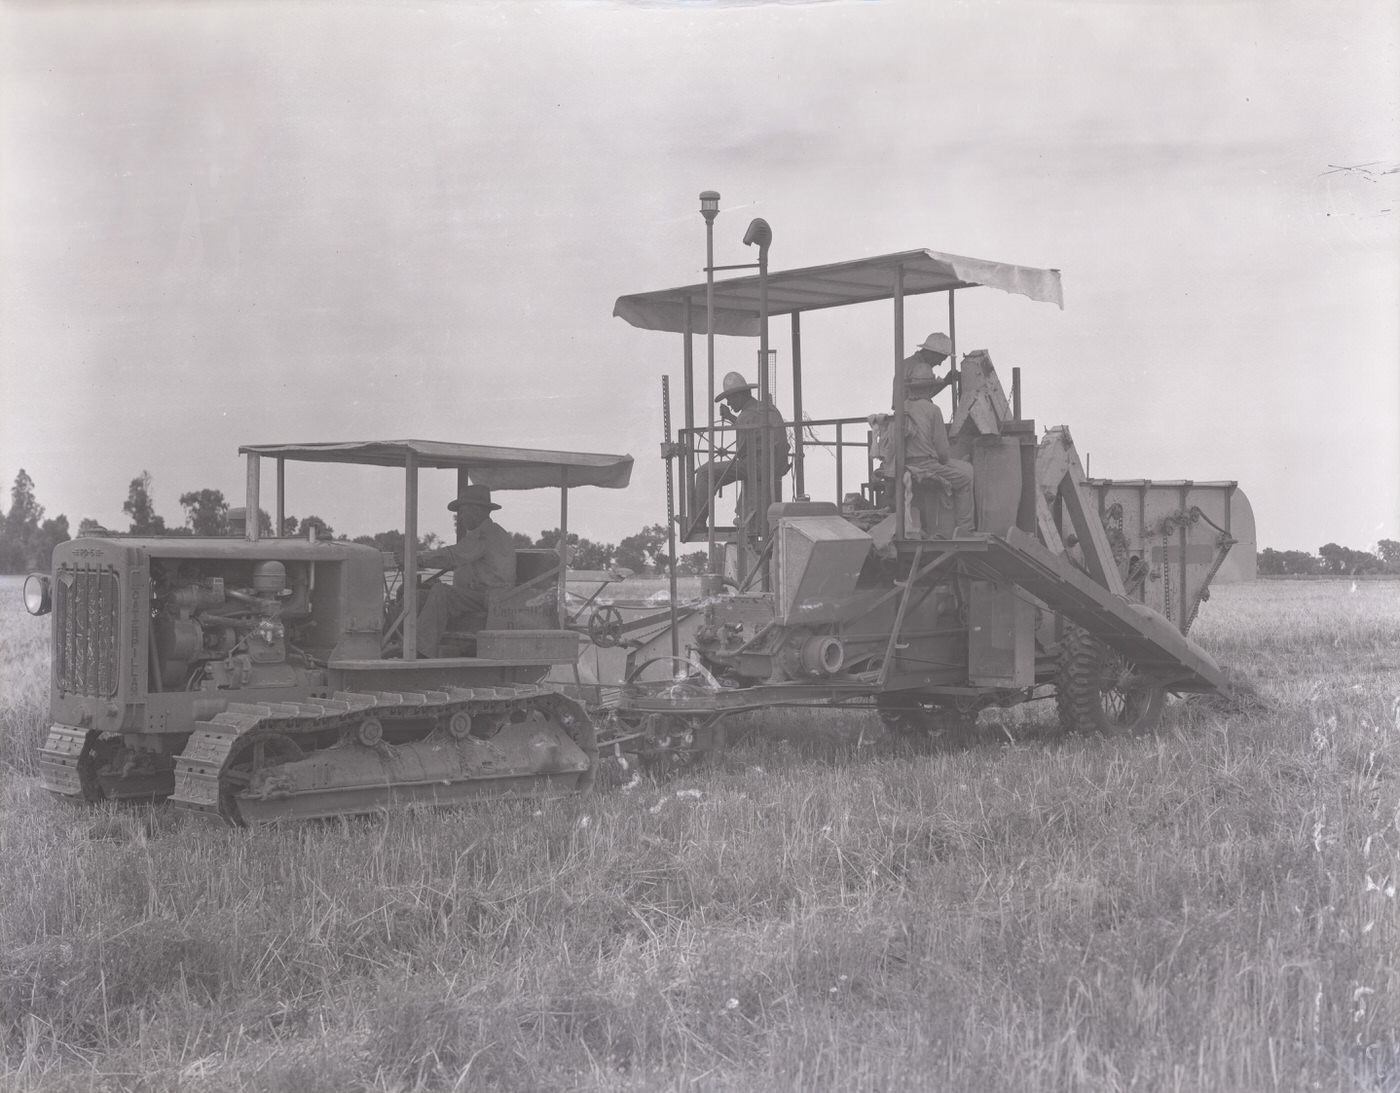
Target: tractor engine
{"points": [[233, 638]]}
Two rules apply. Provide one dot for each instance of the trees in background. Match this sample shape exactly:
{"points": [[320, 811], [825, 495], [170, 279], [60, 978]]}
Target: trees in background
{"points": [[1330, 559], [305, 526], [583, 553], [206, 512], [27, 539], [1340, 559], [644, 552], [1288, 563], [139, 507]]}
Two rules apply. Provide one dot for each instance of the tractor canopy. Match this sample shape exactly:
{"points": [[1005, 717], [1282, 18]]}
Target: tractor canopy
{"points": [[494, 468]]}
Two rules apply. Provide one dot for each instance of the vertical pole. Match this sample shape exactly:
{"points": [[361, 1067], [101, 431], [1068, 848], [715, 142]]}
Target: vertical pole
{"points": [[563, 585], [687, 471], [670, 505], [279, 530], [799, 482], [252, 525], [410, 557], [840, 455], [897, 440], [955, 388], [710, 393]]}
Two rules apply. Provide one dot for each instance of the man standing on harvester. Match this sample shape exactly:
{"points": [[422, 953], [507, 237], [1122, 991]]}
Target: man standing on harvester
{"points": [[750, 415], [483, 558]]}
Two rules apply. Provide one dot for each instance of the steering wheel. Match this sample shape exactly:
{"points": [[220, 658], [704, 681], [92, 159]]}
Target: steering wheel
{"points": [[605, 627]]}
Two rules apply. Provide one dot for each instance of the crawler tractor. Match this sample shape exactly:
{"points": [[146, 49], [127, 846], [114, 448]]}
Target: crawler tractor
{"points": [[259, 678], [1070, 588]]}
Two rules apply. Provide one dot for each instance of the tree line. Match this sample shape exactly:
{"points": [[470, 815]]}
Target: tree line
{"points": [[1330, 560], [27, 539]]}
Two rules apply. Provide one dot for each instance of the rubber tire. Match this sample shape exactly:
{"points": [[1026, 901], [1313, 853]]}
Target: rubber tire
{"points": [[1086, 699]]}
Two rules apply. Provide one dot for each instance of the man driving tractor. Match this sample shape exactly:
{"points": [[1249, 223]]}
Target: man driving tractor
{"points": [[482, 559]]}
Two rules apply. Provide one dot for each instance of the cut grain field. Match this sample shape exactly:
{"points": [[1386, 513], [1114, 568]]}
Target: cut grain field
{"points": [[1210, 908]]}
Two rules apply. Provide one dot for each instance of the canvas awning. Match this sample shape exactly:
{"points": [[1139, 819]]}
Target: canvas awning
{"points": [[495, 468], [859, 281]]}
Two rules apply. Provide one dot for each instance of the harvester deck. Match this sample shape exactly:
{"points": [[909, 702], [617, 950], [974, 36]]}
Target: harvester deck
{"points": [[1140, 635]]}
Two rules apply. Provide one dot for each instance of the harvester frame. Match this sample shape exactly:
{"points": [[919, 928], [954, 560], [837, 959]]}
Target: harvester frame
{"points": [[1074, 588]]}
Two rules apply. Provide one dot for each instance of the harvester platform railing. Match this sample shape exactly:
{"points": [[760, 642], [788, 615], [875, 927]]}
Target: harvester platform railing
{"points": [[832, 436]]}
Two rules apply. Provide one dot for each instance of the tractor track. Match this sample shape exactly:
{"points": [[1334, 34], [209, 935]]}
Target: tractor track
{"points": [[206, 770]]}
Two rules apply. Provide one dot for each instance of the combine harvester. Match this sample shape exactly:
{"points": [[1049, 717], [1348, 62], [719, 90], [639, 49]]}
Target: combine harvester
{"points": [[261, 678], [1077, 589]]}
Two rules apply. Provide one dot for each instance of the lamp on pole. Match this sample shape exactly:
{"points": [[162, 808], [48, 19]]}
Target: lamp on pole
{"points": [[709, 209]]}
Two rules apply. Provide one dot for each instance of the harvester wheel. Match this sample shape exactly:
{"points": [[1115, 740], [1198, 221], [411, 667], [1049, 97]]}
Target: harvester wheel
{"points": [[1100, 691]]}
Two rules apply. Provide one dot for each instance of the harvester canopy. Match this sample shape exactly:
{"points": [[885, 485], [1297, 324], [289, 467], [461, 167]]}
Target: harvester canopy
{"points": [[834, 285]]}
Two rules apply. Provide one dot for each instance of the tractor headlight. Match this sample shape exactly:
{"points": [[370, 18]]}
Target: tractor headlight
{"points": [[38, 594]]}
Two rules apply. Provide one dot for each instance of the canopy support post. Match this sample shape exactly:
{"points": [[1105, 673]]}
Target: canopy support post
{"points": [[281, 527], [799, 482], [897, 439], [410, 557], [561, 604], [252, 525], [955, 388]]}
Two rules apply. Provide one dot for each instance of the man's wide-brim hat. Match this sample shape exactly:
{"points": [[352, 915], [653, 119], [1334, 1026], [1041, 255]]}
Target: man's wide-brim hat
{"points": [[938, 343], [733, 384], [473, 495]]}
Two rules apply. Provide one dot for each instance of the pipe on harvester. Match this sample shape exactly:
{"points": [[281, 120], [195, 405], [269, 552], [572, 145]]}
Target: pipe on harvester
{"points": [[823, 655]]}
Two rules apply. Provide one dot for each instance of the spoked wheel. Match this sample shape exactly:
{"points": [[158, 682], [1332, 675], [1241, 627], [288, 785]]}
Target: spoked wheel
{"points": [[605, 627], [249, 760], [1101, 691]]}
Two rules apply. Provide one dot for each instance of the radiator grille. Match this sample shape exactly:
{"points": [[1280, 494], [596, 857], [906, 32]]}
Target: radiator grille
{"points": [[85, 642]]}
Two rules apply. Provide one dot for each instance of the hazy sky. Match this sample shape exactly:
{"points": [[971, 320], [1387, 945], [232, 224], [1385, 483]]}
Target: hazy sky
{"points": [[231, 223]]}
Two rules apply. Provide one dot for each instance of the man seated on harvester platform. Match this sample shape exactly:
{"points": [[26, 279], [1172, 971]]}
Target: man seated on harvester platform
{"points": [[930, 470], [927, 458]]}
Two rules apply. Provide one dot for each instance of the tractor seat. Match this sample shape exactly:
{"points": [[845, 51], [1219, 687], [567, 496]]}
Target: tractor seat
{"points": [[509, 608]]}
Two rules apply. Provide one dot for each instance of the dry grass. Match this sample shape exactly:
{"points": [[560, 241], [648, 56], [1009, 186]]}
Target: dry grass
{"points": [[1212, 908]]}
